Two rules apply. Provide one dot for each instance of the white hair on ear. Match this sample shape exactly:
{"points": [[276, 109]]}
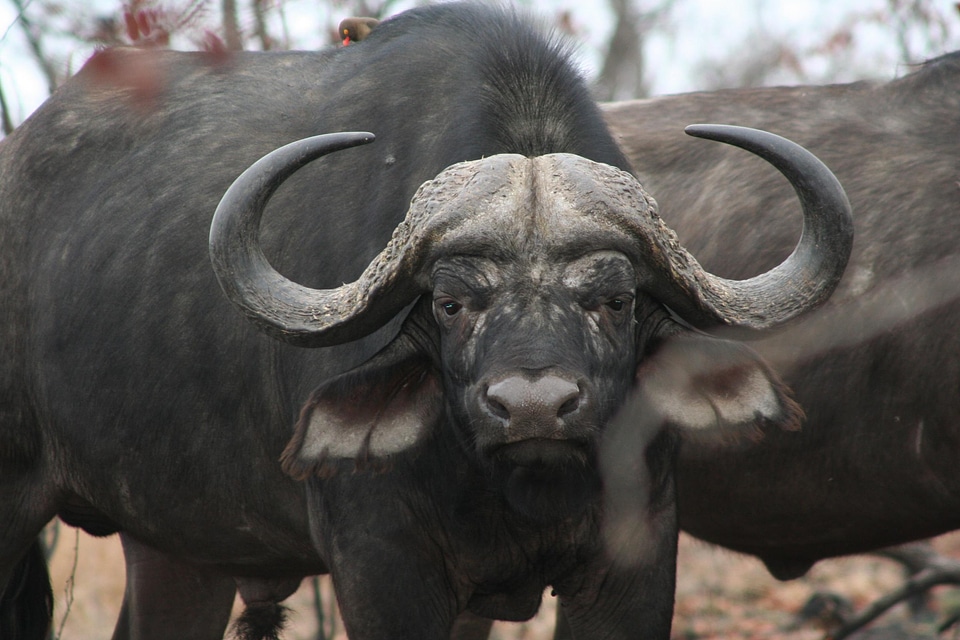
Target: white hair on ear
{"points": [[691, 406]]}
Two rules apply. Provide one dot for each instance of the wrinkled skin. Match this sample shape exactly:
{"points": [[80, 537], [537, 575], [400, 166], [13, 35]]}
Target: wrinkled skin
{"points": [[553, 337]]}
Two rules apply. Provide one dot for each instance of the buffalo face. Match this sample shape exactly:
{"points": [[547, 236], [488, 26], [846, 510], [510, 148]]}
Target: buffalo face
{"points": [[542, 284], [537, 354]]}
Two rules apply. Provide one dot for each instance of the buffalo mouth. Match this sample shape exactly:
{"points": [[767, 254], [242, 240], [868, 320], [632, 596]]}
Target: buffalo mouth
{"points": [[544, 453], [548, 480]]}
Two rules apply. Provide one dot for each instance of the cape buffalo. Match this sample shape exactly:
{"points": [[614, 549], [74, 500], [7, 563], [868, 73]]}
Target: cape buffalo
{"points": [[510, 287], [876, 370]]}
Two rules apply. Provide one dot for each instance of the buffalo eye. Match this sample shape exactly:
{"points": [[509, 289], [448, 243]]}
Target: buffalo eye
{"points": [[451, 308], [617, 304], [447, 307]]}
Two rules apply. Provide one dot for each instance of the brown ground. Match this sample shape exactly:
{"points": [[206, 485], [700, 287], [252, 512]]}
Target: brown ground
{"points": [[719, 594]]}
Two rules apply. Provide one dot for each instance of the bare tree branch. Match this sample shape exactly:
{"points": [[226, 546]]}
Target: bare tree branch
{"points": [[266, 42], [762, 56], [34, 41], [623, 76], [5, 114], [917, 16]]}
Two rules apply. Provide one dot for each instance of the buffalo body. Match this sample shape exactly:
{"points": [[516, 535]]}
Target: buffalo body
{"points": [[875, 370]]}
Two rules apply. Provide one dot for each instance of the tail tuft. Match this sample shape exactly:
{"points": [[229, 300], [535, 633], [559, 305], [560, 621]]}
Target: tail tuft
{"points": [[261, 621]]}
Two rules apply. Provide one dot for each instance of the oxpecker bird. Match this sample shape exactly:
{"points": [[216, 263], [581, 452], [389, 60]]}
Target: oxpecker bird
{"points": [[356, 29]]}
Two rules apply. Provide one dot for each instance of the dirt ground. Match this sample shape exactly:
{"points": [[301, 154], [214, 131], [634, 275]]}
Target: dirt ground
{"points": [[719, 594]]}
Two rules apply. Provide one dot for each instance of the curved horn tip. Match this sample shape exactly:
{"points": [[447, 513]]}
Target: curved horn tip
{"points": [[331, 142], [720, 132], [278, 305], [817, 263], [351, 138]]}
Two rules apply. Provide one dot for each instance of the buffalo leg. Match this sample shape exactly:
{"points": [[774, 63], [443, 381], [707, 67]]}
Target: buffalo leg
{"points": [[165, 598], [631, 604], [628, 602], [394, 614], [471, 627], [388, 590], [26, 600], [561, 629]]}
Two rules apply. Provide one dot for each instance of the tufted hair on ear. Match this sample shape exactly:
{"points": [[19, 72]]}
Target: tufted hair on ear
{"points": [[716, 390], [379, 409]]}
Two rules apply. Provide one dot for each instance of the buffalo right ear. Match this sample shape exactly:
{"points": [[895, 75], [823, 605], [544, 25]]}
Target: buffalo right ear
{"points": [[716, 391], [381, 408]]}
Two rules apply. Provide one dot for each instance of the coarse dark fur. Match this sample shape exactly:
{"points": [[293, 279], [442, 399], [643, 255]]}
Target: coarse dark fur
{"points": [[134, 398], [29, 588]]}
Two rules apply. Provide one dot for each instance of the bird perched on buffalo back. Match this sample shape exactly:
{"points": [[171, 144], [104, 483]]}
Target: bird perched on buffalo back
{"points": [[356, 29]]}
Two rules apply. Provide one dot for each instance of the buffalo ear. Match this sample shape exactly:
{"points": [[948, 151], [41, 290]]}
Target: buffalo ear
{"points": [[716, 391], [383, 407]]}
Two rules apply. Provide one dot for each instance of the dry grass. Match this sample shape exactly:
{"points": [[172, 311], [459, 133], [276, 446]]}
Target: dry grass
{"points": [[719, 594]]}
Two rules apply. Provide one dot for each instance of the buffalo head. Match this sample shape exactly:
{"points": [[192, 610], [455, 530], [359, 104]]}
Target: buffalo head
{"points": [[548, 288]]}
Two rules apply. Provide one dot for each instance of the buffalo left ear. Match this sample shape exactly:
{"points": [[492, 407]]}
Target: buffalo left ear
{"points": [[716, 391], [381, 408]]}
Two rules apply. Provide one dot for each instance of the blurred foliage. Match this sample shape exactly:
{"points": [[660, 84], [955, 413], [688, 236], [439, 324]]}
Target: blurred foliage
{"points": [[60, 35], [770, 53]]}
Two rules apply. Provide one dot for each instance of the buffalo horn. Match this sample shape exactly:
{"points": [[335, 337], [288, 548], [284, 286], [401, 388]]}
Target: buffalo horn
{"points": [[801, 282], [315, 317], [284, 309]]}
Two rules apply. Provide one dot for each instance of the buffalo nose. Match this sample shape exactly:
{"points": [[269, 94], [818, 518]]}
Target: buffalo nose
{"points": [[543, 400]]}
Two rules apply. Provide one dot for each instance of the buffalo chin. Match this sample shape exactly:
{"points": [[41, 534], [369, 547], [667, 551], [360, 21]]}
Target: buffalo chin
{"points": [[544, 485]]}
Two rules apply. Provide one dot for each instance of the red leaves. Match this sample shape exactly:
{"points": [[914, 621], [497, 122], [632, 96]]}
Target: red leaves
{"points": [[146, 26], [152, 23], [215, 48], [149, 25], [137, 73]]}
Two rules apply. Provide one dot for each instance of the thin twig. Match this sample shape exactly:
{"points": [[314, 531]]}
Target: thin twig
{"points": [[68, 589], [332, 617], [318, 608], [949, 622], [21, 8], [919, 583], [50, 537]]}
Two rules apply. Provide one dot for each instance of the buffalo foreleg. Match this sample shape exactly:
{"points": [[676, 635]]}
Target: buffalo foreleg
{"points": [[166, 598], [471, 627], [26, 601], [391, 590], [627, 600]]}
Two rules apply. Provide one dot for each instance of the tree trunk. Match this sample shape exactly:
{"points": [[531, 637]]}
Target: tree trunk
{"points": [[231, 26]]}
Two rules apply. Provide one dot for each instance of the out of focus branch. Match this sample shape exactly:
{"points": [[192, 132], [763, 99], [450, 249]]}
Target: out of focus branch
{"points": [[5, 114], [231, 26], [34, 41], [622, 76]]}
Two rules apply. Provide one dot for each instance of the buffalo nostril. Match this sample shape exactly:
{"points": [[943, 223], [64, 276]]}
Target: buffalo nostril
{"points": [[571, 405], [497, 408], [545, 398]]}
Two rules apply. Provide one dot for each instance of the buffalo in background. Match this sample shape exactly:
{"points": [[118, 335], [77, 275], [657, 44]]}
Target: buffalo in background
{"points": [[510, 287], [876, 370]]}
